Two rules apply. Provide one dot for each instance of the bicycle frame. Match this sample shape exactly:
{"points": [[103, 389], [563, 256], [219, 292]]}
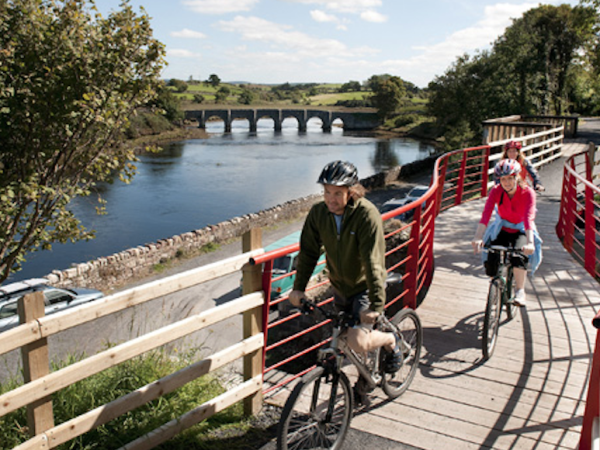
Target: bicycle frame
{"points": [[505, 270], [339, 348]]}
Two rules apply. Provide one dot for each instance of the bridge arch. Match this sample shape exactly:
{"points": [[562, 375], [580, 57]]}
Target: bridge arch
{"points": [[298, 114], [351, 120]]}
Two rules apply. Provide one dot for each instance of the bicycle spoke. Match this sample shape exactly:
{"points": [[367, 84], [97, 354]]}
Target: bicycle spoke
{"points": [[316, 415]]}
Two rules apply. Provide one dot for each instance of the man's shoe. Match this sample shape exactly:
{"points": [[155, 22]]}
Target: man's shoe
{"points": [[361, 392], [395, 359], [520, 297]]}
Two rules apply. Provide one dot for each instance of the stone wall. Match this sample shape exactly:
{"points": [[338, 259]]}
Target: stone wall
{"points": [[106, 273]]}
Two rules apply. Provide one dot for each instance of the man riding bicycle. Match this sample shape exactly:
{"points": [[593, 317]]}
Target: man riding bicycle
{"points": [[350, 229], [513, 227]]}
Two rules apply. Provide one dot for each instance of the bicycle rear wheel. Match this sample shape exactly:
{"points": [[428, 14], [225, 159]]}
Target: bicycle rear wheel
{"points": [[408, 325], [491, 320], [316, 415], [509, 293]]}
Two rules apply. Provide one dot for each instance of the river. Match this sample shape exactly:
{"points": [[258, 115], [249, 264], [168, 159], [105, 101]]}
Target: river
{"points": [[195, 183]]}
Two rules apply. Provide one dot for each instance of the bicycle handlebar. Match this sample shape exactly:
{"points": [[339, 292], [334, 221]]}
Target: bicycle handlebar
{"points": [[501, 248]]}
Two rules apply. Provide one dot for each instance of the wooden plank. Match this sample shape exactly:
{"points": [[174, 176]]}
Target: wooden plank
{"points": [[253, 319], [36, 363], [108, 305], [60, 379], [105, 413]]}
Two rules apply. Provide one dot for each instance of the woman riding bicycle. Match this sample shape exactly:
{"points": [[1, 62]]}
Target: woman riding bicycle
{"points": [[513, 226], [512, 151]]}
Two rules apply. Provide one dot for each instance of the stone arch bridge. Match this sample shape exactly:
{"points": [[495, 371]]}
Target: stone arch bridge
{"points": [[351, 120]]}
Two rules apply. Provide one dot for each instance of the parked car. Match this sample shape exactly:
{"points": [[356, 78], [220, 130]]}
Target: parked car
{"points": [[55, 299], [414, 194], [396, 203], [417, 192]]}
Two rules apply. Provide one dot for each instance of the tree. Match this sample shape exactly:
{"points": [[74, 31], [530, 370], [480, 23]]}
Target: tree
{"points": [[531, 69], [350, 86], [222, 93], [387, 96], [179, 85], [246, 97], [69, 80], [213, 80]]}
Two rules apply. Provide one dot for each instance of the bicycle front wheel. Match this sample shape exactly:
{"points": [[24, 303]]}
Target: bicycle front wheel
{"points": [[317, 413], [491, 321], [408, 325]]}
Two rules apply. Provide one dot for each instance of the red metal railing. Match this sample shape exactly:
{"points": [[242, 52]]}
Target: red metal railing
{"points": [[578, 221], [458, 177], [577, 227], [591, 419]]}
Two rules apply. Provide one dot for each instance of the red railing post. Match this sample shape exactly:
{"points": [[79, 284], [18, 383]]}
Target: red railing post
{"points": [[592, 403], [412, 265], [590, 231], [440, 192], [460, 186], [484, 172], [570, 195]]}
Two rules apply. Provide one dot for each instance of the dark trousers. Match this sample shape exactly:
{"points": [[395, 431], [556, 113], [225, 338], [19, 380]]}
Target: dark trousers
{"points": [[510, 240]]}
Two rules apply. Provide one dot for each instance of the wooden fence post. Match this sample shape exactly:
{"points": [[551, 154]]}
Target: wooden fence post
{"points": [[36, 364], [253, 323]]}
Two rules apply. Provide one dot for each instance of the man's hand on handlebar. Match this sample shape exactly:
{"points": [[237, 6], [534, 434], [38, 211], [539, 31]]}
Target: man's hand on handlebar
{"points": [[296, 298]]}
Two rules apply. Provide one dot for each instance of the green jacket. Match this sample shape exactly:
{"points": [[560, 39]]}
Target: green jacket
{"points": [[355, 258]]}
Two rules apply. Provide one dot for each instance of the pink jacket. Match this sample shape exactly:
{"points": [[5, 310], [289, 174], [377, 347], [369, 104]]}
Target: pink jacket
{"points": [[521, 208]]}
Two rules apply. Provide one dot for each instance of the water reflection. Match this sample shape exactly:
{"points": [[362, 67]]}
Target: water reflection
{"points": [[385, 157], [199, 182]]}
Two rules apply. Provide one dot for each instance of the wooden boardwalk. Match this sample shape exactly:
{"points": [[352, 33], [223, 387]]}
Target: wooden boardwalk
{"points": [[531, 393]]}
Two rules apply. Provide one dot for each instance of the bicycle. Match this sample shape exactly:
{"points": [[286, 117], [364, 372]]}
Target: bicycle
{"points": [[318, 412], [501, 293]]}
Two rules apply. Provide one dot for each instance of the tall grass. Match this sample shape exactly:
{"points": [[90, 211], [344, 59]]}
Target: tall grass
{"points": [[113, 383]]}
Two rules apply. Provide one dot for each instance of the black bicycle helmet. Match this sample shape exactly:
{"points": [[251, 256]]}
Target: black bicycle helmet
{"points": [[339, 173]]}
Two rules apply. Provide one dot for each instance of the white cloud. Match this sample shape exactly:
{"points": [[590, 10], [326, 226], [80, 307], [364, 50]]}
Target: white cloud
{"points": [[345, 6], [321, 16], [285, 38], [188, 34], [181, 53], [373, 16], [219, 6], [435, 59]]}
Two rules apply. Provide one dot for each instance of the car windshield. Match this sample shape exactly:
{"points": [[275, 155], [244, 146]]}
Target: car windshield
{"points": [[281, 265], [417, 192], [8, 310]]}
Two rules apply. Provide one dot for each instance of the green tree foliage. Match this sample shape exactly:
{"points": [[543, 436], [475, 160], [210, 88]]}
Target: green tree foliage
{"points": [[167, 104], [247, 97], [350, 86], [199, 98], [387, 96], [69, 80], [213, 80], [528, 71], [179, 85], [222, 93]]}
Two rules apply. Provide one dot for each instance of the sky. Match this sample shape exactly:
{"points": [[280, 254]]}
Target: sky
{"points": [[322, 41]]}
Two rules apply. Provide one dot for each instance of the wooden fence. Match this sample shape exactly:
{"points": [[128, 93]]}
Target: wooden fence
{"points": [[31, 336]]}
